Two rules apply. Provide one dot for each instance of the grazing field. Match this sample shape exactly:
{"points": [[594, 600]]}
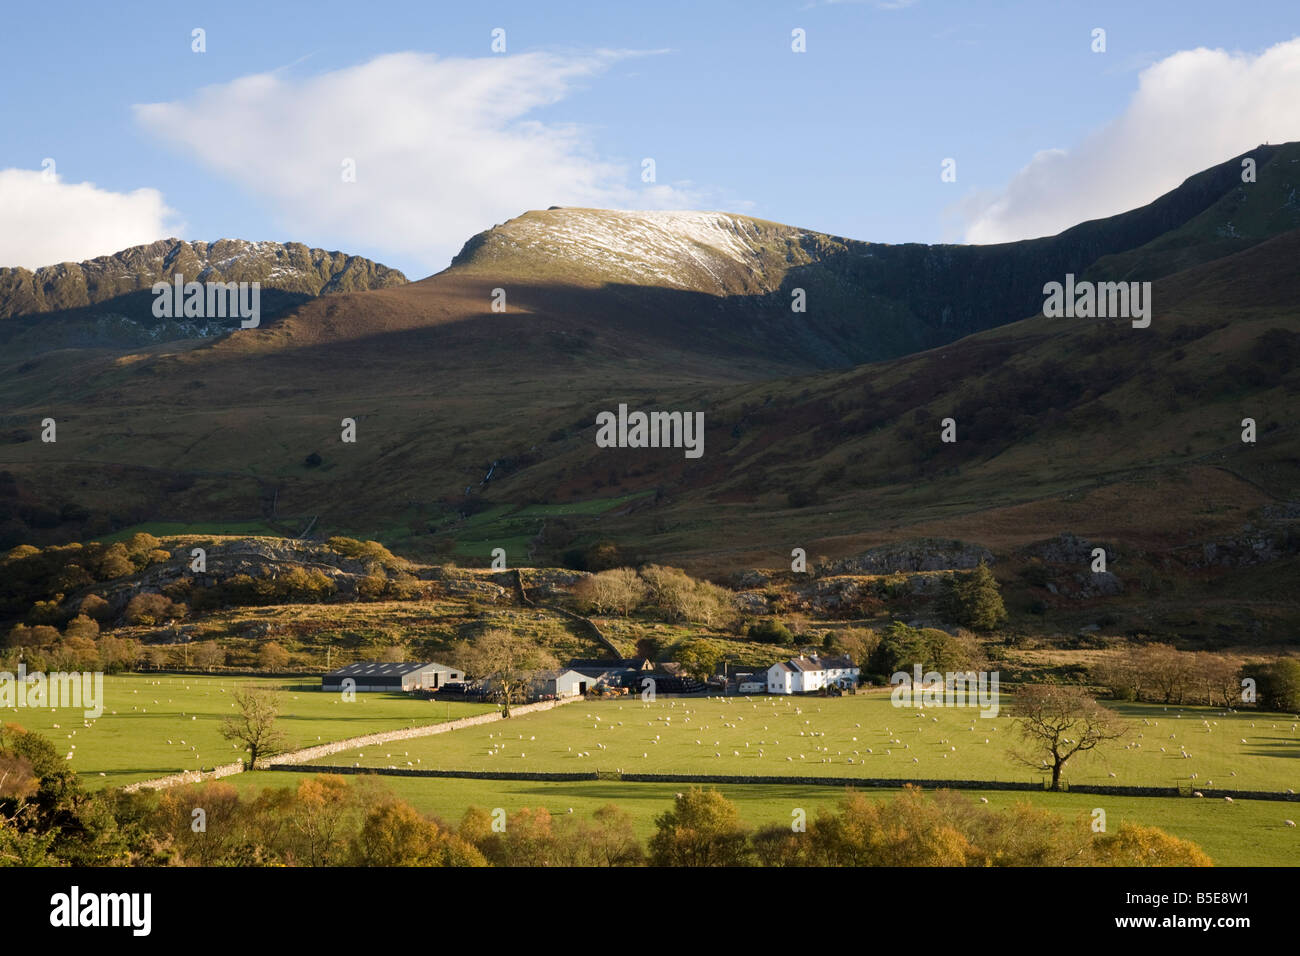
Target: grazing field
{"points": [[153, 725], [861, 736], [1244, 833]]}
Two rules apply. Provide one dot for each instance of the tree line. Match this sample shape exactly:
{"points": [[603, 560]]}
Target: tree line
{"points": [[1162, 673]]}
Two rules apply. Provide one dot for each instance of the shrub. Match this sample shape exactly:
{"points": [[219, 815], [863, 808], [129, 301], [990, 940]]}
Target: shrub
{"points": [[148, 609], [94, 606], [81, 626], [272, 657], [770, 632]]}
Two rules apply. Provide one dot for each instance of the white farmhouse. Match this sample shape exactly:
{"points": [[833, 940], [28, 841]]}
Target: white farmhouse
{"points": [[802, 675]]}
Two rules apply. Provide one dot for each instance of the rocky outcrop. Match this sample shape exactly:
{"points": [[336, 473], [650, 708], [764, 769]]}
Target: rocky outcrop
{"points": [[1066, 548], [287, 266], [108, 301], [926, 554]]}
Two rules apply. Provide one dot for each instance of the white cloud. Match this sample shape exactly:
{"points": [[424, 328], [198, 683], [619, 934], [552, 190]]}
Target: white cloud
{"points": [[44, 221], [443, 148], [1192, 110]]}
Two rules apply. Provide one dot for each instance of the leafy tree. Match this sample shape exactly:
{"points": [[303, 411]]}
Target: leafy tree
{"points": [[770, 631], [975, 600], [612, 838], [373, 586], [76, 654], [43, 635], [1135, 845], [947, 828], [81, 626], [476, 827], [700, 659], [114, 563], [57, 821], [1279, 684], [272, 657], [320, 808], [856, 643], [222, 839], [901, 648], [906, 831], [395, 834], [148, 609], [702, 829]]}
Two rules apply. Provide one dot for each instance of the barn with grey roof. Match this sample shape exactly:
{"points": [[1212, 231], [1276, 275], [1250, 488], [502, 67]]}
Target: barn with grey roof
{"points": [[378, 676]]}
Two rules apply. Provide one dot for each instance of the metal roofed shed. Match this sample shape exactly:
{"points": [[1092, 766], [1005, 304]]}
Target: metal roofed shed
{"points": [[379, 676]]}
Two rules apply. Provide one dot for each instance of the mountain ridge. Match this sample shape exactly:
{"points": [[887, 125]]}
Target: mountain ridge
{"points": [[287, 266], [872, 301]]}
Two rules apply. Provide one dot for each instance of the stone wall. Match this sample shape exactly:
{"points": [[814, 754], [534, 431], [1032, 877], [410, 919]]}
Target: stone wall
{"points": [[186, 776], [369, 740], [466, 774], [285, 761]]}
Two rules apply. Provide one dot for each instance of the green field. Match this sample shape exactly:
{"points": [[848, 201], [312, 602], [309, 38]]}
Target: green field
{"points": [[1245, 833], [156, 725], [861, 736], [163, 529], [513, 528]]}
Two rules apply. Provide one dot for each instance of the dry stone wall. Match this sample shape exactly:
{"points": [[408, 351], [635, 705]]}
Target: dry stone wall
{"points": [[338, 746]]}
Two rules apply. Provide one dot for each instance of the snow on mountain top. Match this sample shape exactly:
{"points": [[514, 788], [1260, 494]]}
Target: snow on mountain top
{"points": [[682, 249]]}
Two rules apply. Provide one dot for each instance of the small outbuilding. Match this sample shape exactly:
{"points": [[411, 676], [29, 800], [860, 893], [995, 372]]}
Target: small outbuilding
{"points": [[561, 683]]}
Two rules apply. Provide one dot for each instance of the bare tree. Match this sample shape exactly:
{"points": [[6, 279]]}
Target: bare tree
{"points": [[507, 661], [1057, 722], [1165, 669], [618, 589], [1220, 678], [254, 726], [208, 655]]}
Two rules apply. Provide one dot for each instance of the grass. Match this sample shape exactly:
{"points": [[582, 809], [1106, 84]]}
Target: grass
{"points": [[514, 528], [660, 737], [163, 529], [156, 725], [1246, 833]]}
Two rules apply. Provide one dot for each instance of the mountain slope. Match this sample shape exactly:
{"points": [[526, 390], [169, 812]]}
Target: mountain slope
{"points": [[475, 428], [106, 301], [869, 301]]}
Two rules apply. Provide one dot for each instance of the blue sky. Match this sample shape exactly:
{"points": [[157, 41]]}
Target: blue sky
{"points": [[846, 138]]}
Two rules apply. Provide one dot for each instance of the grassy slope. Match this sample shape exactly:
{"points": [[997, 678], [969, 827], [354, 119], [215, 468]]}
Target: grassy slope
{"points": [[940, 745], [142, 713], [1144, 454]]}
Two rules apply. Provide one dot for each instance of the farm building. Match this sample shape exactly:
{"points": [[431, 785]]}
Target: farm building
{"points": [[612, 664], [378, 676], [615, 672], [801, 675], [561, 683], [751, 683]]}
